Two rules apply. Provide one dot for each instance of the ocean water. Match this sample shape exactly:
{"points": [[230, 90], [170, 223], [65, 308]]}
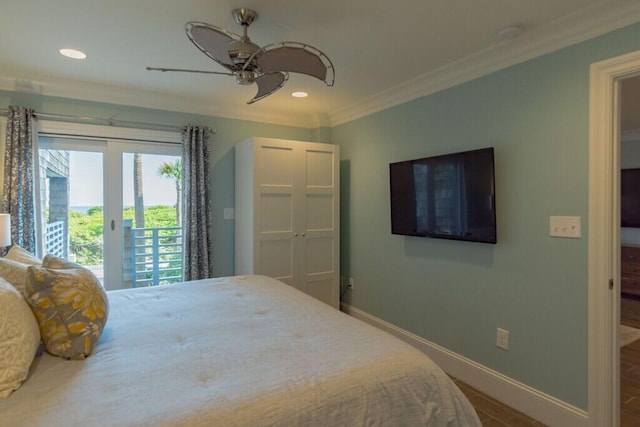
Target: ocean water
{"points": [[83, 209]]}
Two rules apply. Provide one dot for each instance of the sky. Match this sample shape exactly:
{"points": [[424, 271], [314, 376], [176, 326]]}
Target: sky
{"points": [[86, 180]]}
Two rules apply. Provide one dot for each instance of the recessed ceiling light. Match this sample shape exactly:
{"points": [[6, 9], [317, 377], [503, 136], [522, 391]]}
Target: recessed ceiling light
{"points": [[73, 53], [299, 94]]}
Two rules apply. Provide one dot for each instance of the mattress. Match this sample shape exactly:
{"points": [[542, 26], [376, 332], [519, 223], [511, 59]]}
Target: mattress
{"points": [[237, 351]]}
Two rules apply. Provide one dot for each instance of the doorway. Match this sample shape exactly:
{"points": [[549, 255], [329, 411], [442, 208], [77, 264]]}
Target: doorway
{"points": [[629, 335], [112, 205], [604, 236]]}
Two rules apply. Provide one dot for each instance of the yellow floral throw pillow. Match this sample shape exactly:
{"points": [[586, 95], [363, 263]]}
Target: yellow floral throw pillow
{"points": [[70, 305]]}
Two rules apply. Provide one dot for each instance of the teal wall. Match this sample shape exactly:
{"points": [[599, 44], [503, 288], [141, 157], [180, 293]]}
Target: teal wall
{"points": [[228, 133], [456, 293], [453, 293]]}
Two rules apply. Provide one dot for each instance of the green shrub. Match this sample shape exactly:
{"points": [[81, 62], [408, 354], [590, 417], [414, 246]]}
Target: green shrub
{"points": [[86, 230]]}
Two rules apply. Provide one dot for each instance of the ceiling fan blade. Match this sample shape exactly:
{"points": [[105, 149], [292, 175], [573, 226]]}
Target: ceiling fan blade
{"points": [[212, 41], [294, 57], [268, 84], [183, 70]]}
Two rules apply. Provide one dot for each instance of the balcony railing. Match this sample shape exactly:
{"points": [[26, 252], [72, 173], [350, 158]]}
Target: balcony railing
{"points": [[55, 239], [156, 256], [152, 256]]}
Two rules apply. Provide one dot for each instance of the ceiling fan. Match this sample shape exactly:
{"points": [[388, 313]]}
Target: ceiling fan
{"points": [[268, 66]]}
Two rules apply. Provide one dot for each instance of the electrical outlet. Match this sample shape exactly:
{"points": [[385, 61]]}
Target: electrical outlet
{"points": [[351, 281], [502, 339]]}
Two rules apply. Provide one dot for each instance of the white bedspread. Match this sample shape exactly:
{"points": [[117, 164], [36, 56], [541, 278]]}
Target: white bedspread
{"points": [[238, 351]]}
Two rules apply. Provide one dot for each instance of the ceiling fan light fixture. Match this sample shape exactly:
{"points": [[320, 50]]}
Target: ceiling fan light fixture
{"points": [[72, 53], [299, 94]]}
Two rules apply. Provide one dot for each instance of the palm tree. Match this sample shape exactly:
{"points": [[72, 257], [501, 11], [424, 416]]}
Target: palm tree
{"points": [[138, 202], [138, 197], [173, 170]]}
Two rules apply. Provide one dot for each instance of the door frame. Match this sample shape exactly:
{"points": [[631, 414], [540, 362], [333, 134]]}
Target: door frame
{"points": [[114, 197], [604, 236], [116, 141]]}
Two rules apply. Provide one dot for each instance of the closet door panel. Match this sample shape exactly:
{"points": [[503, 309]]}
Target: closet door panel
{"points": [[276, 212], [319, 255], [322, 288], [276, 165], [319, 208], [320, 168], [278, 259]]}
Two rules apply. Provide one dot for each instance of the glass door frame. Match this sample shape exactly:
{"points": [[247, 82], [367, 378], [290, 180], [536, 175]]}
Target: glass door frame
{"points": [[112, 142], [113, 220]]}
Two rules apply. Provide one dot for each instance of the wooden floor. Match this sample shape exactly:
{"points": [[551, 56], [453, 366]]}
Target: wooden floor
{"points": [[493, 413], [630, 366]]}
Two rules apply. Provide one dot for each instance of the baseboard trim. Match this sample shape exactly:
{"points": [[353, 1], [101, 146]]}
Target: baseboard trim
{"points": [[541, 406]]}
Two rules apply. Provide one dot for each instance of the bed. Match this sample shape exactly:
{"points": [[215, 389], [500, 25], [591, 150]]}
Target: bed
{"points": [[236, 351]]}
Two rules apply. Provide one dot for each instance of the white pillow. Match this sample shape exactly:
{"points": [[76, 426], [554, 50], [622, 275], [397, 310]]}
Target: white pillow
{"points": [[15, 273], [18, 254], [13, 267], [19, 338]]}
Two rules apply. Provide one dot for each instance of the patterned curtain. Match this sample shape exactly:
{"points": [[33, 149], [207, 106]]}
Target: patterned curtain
{"points": [[197, 254], [18, 191]]}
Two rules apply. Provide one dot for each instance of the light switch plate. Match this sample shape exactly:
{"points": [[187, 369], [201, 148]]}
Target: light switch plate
{"points": [[565, 226], [229, 213]]}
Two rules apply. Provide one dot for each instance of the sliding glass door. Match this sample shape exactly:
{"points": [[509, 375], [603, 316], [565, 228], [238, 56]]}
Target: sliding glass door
{"points": [[71, 184], [112, 206], [151, 223]]}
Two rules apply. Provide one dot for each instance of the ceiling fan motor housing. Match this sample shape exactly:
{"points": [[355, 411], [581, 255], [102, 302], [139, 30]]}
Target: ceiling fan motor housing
{"points": [[244, 78], [241, 50]]}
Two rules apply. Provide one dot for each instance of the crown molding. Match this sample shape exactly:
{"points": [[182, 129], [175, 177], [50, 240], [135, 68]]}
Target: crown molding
{"points": [[588, 23], [583, 25], [113, 94]]}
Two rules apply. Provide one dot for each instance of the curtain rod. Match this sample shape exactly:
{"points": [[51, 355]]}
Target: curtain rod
{"points": [[108, 122]]}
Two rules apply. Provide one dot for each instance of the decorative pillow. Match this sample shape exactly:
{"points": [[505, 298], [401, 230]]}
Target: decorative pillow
{"points": [[19, 338], [52, 261], [18, 254], [14, 272], [70, 305]]}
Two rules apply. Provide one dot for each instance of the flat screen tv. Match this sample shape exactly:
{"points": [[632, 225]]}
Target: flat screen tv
{"points": [[450, 196], [630, 198]]}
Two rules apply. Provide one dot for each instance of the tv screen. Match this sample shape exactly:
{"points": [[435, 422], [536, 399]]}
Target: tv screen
{"points": [[450, 196], [630, 198]]}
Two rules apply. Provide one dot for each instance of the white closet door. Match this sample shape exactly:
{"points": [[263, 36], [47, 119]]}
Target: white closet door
{"points": [[319, 257], [276, 237]]}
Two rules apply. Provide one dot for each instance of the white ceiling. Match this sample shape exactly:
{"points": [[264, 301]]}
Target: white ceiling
{"points": [[385, 52]]}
